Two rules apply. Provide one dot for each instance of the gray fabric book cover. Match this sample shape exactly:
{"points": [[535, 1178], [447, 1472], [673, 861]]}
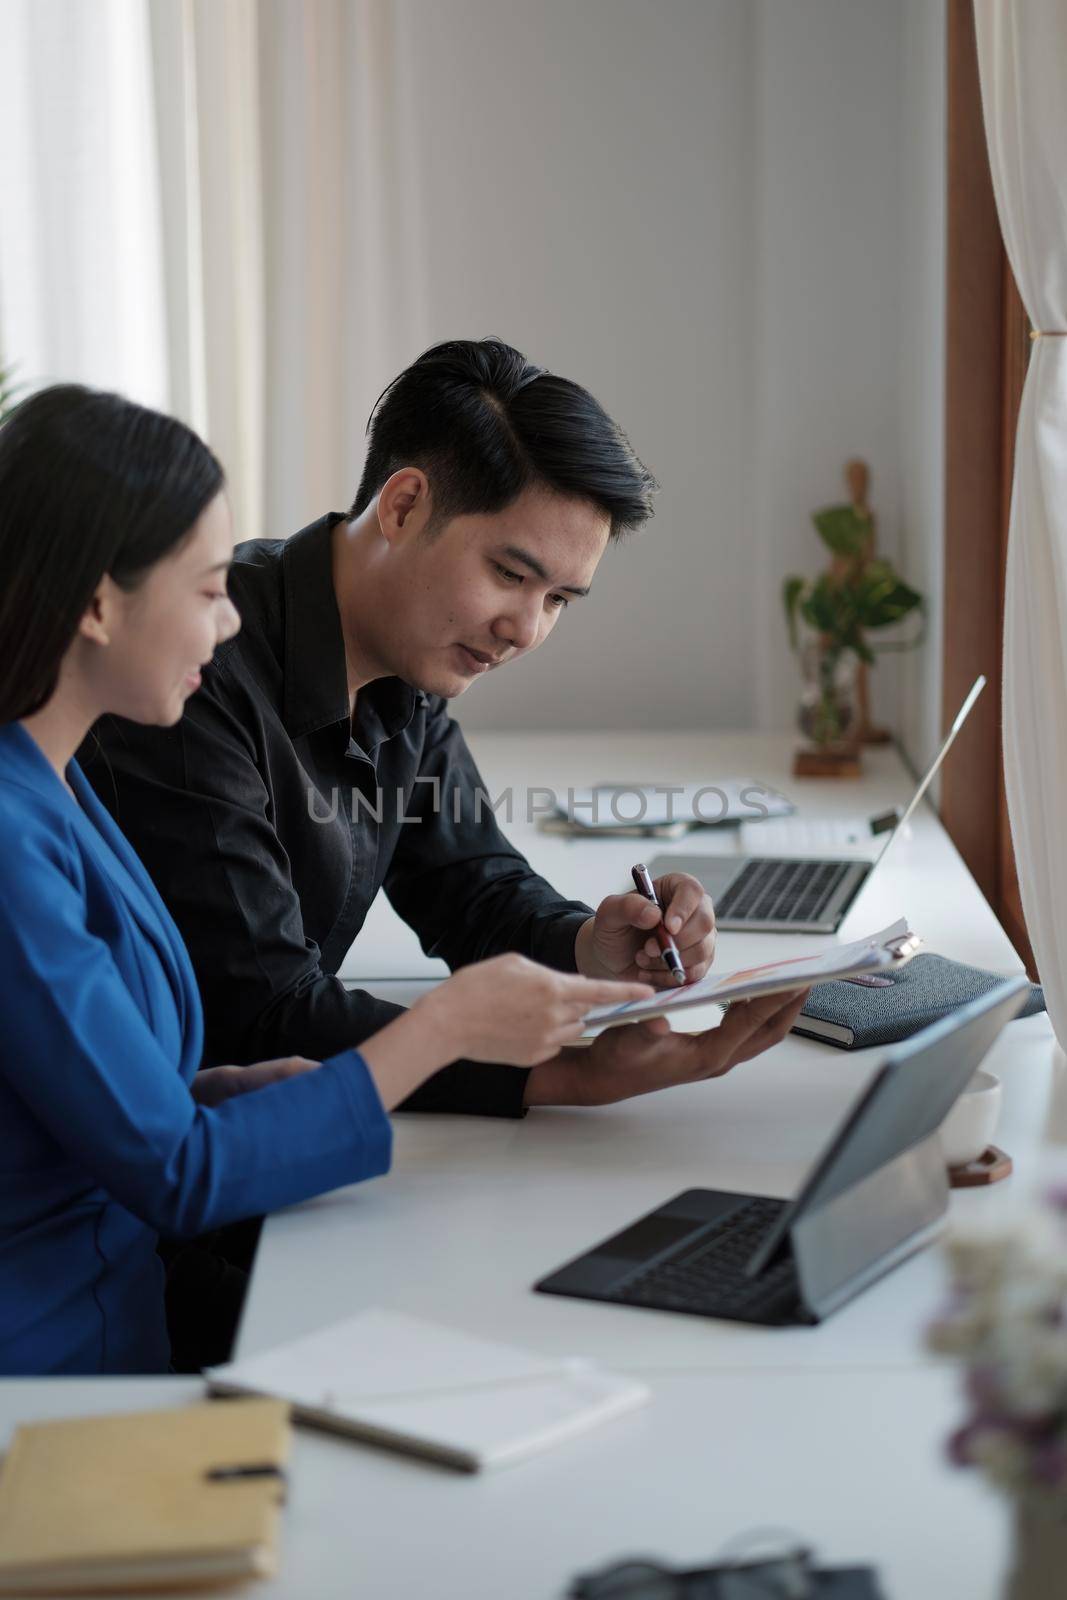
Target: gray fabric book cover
{"points": [[856, 1015]]}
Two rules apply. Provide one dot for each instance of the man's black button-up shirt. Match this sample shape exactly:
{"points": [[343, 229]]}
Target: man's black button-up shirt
{"points": [[269, 822]]}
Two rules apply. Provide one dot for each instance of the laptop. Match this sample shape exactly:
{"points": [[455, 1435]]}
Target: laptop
{"points": [[796, 894], [878, 1192]]}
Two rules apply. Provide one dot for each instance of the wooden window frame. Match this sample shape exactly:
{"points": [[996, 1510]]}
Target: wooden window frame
{"points": [[987, 351]]}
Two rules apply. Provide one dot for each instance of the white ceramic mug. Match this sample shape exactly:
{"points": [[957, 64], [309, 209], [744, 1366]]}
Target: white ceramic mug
{"points": [[970, 1125]]}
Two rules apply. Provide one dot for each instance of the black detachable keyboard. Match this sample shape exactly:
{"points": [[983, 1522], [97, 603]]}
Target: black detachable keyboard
{"points": [[781, 891], [708, 1276]]}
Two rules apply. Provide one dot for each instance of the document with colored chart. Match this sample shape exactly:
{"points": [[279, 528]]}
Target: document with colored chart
{"points": [[887, 950]]}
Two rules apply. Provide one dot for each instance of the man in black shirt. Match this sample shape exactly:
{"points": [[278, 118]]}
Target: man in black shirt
{"points": [[317, 763]]}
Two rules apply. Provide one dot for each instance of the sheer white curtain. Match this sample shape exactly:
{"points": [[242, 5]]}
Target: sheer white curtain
{"points": [[212, 206], [207, 100], [81, 284], [345, 259], [1022, 56], [289, 207]]}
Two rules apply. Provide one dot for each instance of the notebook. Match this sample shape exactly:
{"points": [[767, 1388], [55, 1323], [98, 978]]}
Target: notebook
{"points": [[150, 1499], [890, 1006], [432, 1391], [882, 952]]}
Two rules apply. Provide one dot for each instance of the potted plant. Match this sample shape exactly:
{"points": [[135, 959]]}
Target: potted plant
{"points": [[858, 594]]}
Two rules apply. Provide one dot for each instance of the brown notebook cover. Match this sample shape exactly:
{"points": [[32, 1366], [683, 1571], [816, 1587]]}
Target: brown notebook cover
{"points": [[186, 1498]]}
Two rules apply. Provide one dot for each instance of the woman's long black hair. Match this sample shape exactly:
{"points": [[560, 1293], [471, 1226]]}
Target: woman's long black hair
{"points": [[90, 484]]}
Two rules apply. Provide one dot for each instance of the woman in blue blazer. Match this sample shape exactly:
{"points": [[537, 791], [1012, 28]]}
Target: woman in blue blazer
{"points": [[114, 545]]}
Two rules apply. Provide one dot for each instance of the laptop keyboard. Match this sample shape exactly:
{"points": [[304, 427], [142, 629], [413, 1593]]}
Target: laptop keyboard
{"points": [[782, 891], [709, 1277]]}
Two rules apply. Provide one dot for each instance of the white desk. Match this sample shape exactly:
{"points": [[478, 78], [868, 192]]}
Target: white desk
{"points": [[823, 1429], [835, 1431], [852, 1461], [475, 1210]]}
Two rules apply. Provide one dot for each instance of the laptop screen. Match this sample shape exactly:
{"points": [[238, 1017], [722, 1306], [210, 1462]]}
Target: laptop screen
{"points": [[905, 1102], [961, 717]]}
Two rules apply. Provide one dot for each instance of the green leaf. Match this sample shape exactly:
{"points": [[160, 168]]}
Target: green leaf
{"points": [[858, 643], [882, 598], [792, 589], [842, 528], [917, 638], [822, 608]]}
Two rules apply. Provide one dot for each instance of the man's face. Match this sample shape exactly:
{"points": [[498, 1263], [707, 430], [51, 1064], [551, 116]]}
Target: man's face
{"points": [[487, 588]]}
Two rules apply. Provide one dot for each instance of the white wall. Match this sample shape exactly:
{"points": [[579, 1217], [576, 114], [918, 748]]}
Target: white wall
{"points": [[720, 215], [922, 363], [826, 252], [724, 216], [585, 194]]}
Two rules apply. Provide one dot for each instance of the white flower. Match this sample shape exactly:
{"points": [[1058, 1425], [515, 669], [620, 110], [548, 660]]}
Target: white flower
{"points": [[1001, 1456]]}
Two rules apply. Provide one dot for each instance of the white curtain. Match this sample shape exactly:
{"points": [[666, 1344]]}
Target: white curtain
{"points": [[1022, 55], [212, 206], [206, 95], [345, 260], [81, 276]]}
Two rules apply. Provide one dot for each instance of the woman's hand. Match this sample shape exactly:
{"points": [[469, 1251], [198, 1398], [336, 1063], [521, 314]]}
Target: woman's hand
{"points": [[216, 1084], [515, 1011]]}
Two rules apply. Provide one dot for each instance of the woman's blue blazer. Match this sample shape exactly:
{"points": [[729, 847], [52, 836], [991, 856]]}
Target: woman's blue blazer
{"points": [[102, 1146]]}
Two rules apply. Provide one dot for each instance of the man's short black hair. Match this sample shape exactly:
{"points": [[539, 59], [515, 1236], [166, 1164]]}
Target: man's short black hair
{"points": [[484, 424]]}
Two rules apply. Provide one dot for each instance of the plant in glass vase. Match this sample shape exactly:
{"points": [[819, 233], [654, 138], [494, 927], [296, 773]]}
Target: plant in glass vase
{"points": [[858, 594]]}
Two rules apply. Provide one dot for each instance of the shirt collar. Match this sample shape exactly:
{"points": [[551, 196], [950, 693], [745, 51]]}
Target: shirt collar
{"points": [[316, 681], [26, 763]]}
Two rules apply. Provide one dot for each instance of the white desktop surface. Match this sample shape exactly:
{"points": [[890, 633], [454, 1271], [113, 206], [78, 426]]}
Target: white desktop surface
{"points": [[836, 1431], [475, 1210], [851, 1462]]}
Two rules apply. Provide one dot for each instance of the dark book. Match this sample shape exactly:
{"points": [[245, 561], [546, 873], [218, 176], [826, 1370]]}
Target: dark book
{"points": [[882, 1008], [847, 1583]]}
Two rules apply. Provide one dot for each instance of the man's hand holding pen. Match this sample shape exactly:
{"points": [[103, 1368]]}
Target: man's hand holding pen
{"points": [[621, 941]]}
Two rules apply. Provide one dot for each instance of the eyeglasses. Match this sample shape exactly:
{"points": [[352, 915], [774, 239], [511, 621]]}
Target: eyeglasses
{"points": [[785, 1576]]}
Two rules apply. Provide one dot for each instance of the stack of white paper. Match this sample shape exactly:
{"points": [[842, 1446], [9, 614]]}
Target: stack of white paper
{"points": [[879, 952]]}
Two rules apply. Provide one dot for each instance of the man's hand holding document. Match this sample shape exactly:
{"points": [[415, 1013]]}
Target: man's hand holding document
{"points": [[880, 952]]}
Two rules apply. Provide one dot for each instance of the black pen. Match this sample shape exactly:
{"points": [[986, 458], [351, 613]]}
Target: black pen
{"points": [[666, 943]]}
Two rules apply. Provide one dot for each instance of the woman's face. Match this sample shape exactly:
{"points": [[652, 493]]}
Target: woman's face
{"points": [[164, 631]]}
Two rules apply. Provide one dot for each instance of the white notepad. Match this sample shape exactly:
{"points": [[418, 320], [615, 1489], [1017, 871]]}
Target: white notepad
{"points": [[432, 1391]]}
